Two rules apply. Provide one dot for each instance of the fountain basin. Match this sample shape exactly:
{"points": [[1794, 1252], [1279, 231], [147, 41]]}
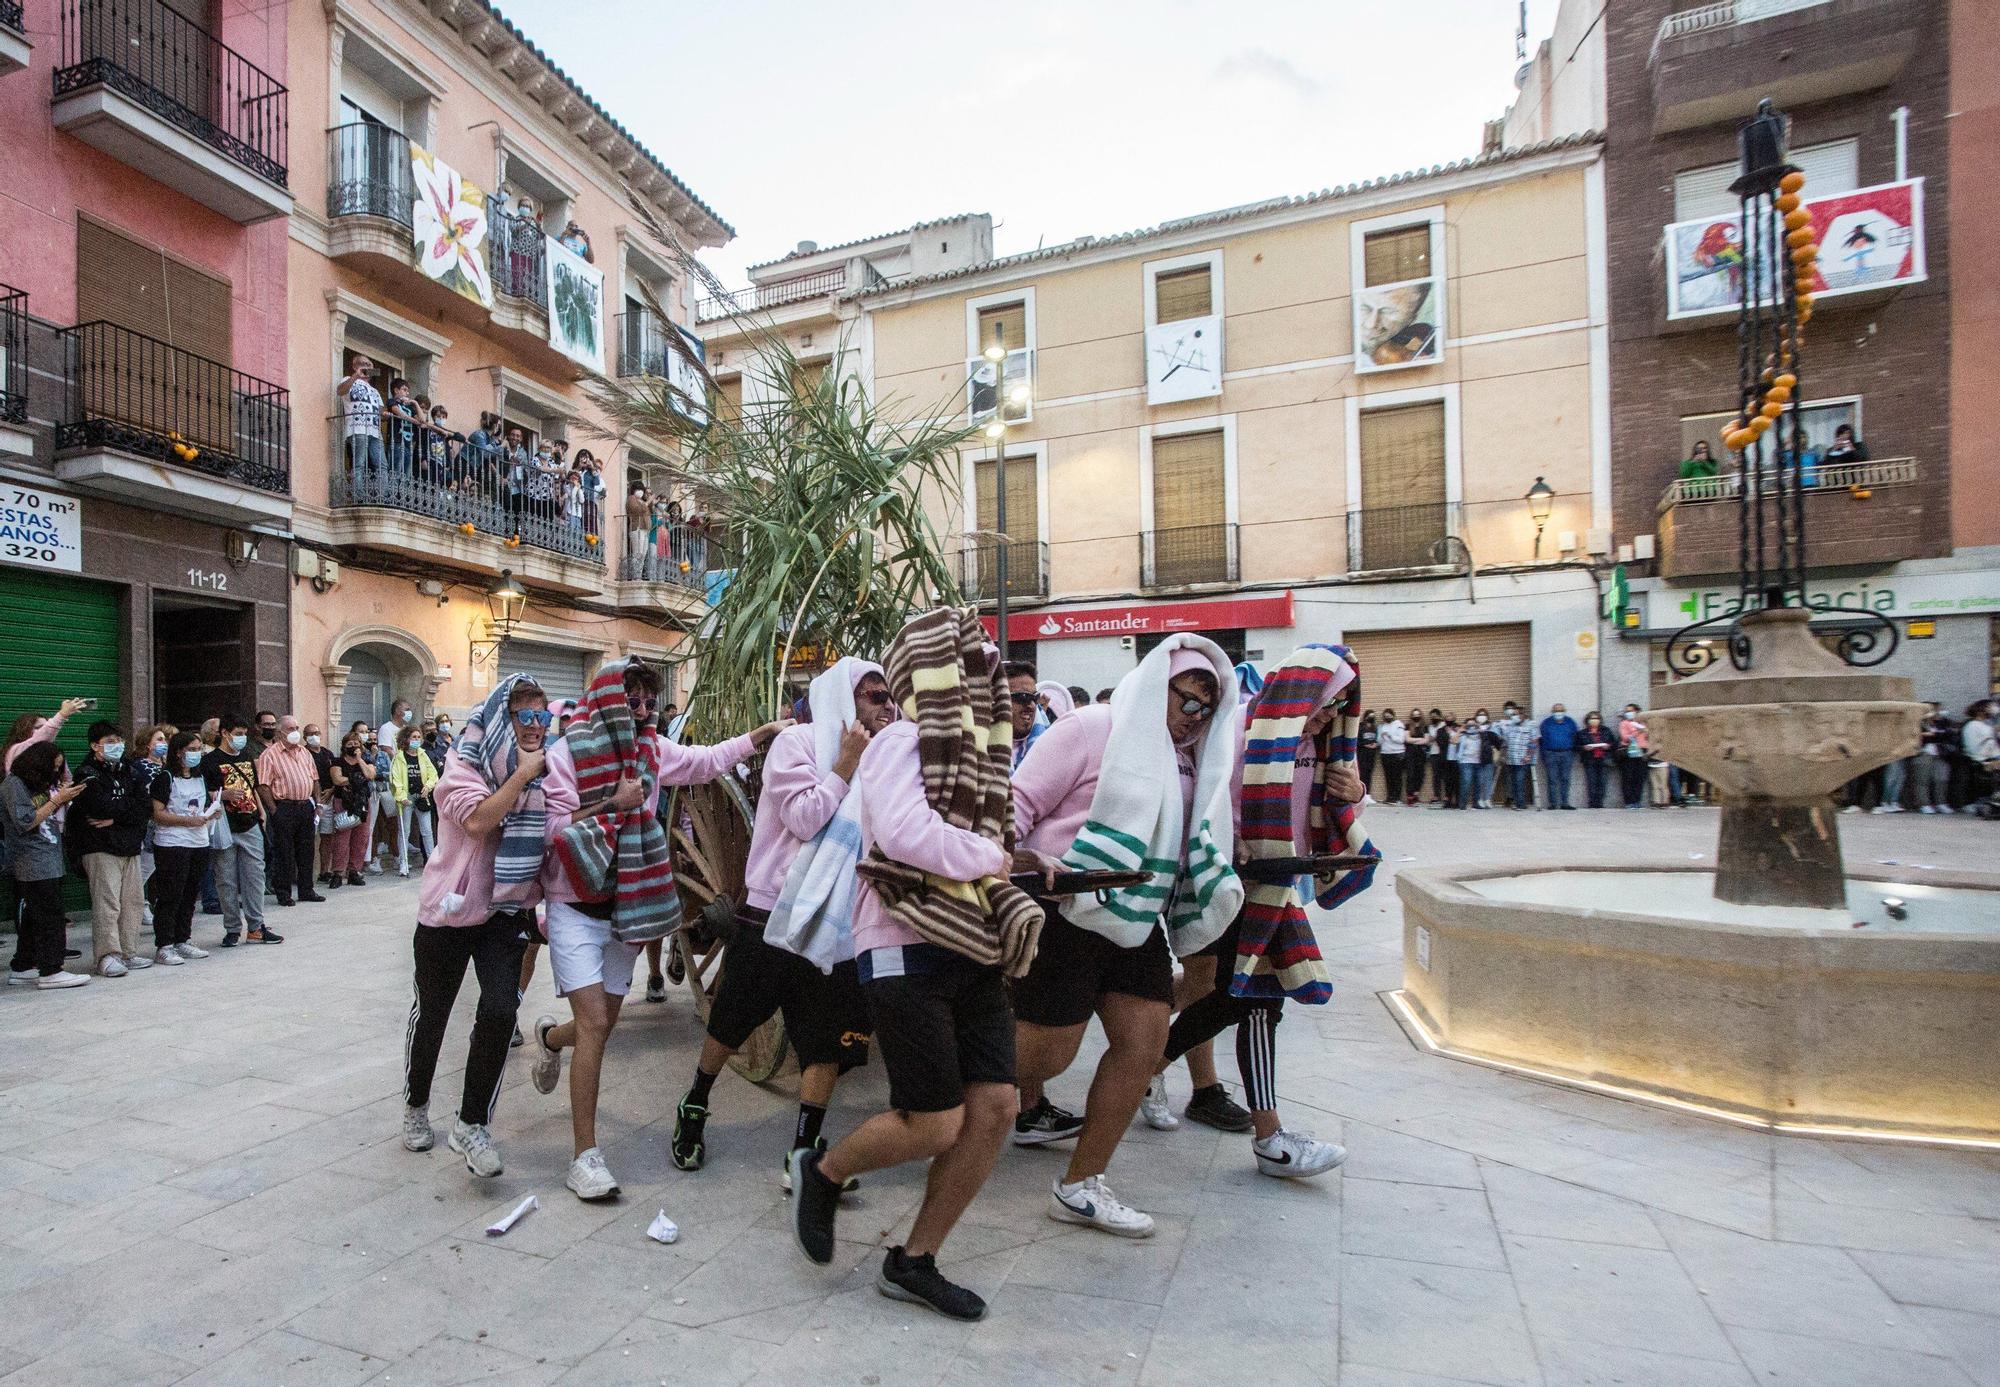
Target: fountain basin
{"points": [[1634, 981]]}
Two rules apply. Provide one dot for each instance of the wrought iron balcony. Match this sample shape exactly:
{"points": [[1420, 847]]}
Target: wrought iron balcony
{"points": [[150, 87], [129, 393], [761, 296], [469, 487], [1856, 514], [671, 553], [1027, 569], [1187, 555], [517, 258], [1386, 537], [644, 343], [368, 173], [15, 51], [13, 355]]}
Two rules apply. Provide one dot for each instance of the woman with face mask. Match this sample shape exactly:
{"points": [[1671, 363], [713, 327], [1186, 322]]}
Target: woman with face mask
{"points": [[32, 800], [112, 815], [1597, 746], [1474, 754], [346, 847], [1634, 750], [183, 808]]}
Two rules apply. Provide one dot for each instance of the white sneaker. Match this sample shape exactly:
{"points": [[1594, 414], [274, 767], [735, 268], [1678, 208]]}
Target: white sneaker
{"points": [[547, 1068], [1296, 1155], [402, 869], [417, 1133], [1894, 809], [189, 952], [1881, 809], [472, 1141], [25, 977], [1850, 809], [166, 954], [134, 962], [375, 867], [1927, 809], [1153, 1107], [590, 1178], [111, 966], [147, 913], [65, 978], [1091, 1203]]}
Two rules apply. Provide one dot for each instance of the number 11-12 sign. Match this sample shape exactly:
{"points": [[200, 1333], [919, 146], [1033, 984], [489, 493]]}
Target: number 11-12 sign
{"points": [[40, 529]]}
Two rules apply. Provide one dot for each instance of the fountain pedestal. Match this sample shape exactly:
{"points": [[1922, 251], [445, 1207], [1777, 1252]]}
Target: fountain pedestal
{"points": [[1776, 738]]}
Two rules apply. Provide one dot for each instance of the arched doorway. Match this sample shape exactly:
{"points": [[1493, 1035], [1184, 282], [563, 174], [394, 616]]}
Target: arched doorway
{"points": [[369, 668]]}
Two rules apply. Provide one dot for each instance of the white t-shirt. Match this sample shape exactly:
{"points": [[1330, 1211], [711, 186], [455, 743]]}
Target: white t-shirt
{"points": [[185, 794], [386, 735], [1392, 737], [364, 410]]}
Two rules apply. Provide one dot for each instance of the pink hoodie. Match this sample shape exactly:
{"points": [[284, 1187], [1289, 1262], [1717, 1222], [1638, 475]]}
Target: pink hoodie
{"points": [[463, 863], [897, 818], [797, 802], [1053, 790], [45, 733], [678, 765]]}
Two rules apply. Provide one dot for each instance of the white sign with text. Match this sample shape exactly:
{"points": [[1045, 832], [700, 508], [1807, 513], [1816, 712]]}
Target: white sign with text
{"points": [[40, 529]]}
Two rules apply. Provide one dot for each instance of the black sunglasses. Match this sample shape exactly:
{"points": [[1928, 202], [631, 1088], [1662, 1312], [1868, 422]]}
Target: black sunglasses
{"points": [[1198, 708], [876, 698], [1023, 697]]}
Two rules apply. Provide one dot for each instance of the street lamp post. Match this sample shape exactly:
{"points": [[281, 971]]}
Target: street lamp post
{"points": [[1541, 499], [996, 430]]}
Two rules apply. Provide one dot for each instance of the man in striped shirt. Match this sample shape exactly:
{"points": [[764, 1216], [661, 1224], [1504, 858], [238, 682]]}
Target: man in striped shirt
{"points": [[288, 783]]}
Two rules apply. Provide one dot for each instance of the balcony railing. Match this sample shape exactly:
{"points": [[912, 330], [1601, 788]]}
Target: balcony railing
{"points": [[1721, 15], [13, 355], [10, 15], [131, 393], [368, 173], [468, 486], [644, 344], [1186, 555], [1837, 476], [516, 257], [670, 553], [181, 73], [759, 296], [1027, 569], [1382, 537]]}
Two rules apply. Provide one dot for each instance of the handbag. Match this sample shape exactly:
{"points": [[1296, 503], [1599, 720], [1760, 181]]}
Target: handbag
{"points": [[329, 819], [219, 836]]}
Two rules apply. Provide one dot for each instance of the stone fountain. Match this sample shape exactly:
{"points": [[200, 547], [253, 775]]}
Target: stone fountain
{"points": [[1775, 989]]}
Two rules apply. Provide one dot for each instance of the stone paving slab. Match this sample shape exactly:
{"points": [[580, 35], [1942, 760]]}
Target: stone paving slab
{"points": [[201, 1183]]}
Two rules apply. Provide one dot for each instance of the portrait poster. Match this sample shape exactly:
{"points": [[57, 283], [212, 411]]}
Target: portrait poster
{"points": [[1398, 325], [448, 221]]}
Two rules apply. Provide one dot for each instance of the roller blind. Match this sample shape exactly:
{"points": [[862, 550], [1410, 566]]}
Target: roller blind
{"points": [[1188, 481], [141, 288], [1456, 669], [1390, 257], [1833, 167], [1402, 456], [1023, 512], [1182, 294], [1012, 320]]}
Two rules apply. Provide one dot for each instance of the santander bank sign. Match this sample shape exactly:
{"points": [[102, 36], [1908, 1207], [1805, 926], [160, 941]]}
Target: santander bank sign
{"points": [[1147, 619]]}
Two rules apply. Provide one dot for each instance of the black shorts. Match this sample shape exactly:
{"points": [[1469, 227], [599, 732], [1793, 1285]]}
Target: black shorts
{"points": [[1074, 967], [939, 1031], [826, 1017]]}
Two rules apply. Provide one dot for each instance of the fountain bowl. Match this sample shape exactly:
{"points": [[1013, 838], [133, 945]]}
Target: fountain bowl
{"points": [[1872, 1020]]}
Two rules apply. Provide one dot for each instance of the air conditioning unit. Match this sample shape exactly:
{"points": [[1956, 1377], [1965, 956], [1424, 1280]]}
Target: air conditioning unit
{"points": [[1642, 546], [305, 562], [1598, 541]]}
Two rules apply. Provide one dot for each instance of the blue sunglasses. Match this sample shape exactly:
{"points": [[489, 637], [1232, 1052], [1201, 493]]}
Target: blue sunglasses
{"points": [[533, 717]]}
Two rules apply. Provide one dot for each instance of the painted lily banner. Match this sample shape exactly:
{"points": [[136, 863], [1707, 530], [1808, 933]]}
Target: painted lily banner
{"points": [[449, 222], [576, 306]]}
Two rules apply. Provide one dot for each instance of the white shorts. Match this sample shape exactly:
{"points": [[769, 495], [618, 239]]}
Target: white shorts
{"points": [[582, 952]]}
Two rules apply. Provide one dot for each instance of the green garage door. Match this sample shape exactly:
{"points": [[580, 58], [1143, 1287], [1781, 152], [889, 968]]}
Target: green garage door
{"points": [[60, 638]]}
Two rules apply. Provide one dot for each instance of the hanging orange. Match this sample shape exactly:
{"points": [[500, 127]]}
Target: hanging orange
{"points": [[1772, 410], [1787, 204], [1804, 236], [1779, 393], [1797, 218], [1792, 181]]}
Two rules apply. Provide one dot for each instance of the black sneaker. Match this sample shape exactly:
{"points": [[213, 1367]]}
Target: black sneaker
{"points": [[265, 936], [688, 1150], [785, 1170], [229, 938], [916, 1280], [676, 969], [333, 885], [313, 896], [1213, 1107], [815, 1200], [656, 988], [1045, 1122], [356, 879]]}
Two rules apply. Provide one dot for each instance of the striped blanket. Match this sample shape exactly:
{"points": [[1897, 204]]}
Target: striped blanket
{"points": [[488, 744], [619, 856], [1137, 817], [941, 677], [1277, 955]]}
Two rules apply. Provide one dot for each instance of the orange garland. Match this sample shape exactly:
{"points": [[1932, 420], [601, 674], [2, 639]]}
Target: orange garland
{"points": [[1802, 240]]}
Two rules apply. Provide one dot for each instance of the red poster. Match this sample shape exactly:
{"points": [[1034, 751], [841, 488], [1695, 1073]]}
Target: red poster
{"points": [[1148, 618]]}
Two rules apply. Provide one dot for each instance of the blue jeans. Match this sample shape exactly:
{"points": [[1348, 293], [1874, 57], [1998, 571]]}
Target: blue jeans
{"points": [[1556, 767], [1521, 786], [1596, 775]]}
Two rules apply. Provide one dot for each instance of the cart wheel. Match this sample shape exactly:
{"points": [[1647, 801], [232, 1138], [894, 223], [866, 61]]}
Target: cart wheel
{"points": [[709, 827]]}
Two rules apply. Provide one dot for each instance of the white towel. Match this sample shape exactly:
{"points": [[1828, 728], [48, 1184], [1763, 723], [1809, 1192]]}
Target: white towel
{"points": [[814, 916], [1135, 821]]}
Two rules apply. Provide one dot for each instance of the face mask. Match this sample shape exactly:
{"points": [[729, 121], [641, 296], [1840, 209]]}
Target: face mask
{"points": [[192, 759], [113, 751], [1482, 720], [267, 733], [237, 741], [159, 751], [406, 715], [292, 737], [444, 729], [313, 742]]}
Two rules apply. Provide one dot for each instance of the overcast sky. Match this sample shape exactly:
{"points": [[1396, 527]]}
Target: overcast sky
{"points": [[1062, 118]]}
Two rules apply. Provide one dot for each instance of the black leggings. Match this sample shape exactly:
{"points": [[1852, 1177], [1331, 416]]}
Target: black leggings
{"points": [[177, 884], [1392, 776], [42, 929], [1256, 1021], [494, 950]]}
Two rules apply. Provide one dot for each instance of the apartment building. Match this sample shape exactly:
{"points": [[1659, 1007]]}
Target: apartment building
{"points": [[145, 423], [1868, 86], [475, 224], [1373, 414]]}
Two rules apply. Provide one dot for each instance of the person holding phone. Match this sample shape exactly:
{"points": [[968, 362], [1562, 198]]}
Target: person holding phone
{"points": [[32, 800], [361, 411]]}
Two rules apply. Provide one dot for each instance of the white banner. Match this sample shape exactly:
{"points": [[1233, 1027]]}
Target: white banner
{"points": [[684, 349], [1184, 359], [576, 306], [40, 529]]}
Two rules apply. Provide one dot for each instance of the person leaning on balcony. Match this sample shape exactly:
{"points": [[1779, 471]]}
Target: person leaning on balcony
{"points": [[590, 487], [638, 512], [1846, 447], [403, 418], [1699, 464], [361, 412], [513, 469]]}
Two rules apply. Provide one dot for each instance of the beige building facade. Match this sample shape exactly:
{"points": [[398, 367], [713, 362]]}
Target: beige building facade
{"points": [[394, 560], [1375, 415]]}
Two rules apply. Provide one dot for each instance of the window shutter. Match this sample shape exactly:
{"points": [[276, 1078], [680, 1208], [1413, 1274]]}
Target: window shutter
{"points": [[1391, 257], [1187, 481], [1023, 513], [1012, 320], [729, 398], [120, 281], [1833, 167], [1402, 456], [1182, 294], [198, 312]]}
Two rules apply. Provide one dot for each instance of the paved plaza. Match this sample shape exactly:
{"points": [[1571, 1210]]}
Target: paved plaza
{"points": [[201, 1182]]}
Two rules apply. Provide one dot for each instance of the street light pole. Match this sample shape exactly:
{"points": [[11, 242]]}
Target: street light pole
{"points": [[997, 432]]}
